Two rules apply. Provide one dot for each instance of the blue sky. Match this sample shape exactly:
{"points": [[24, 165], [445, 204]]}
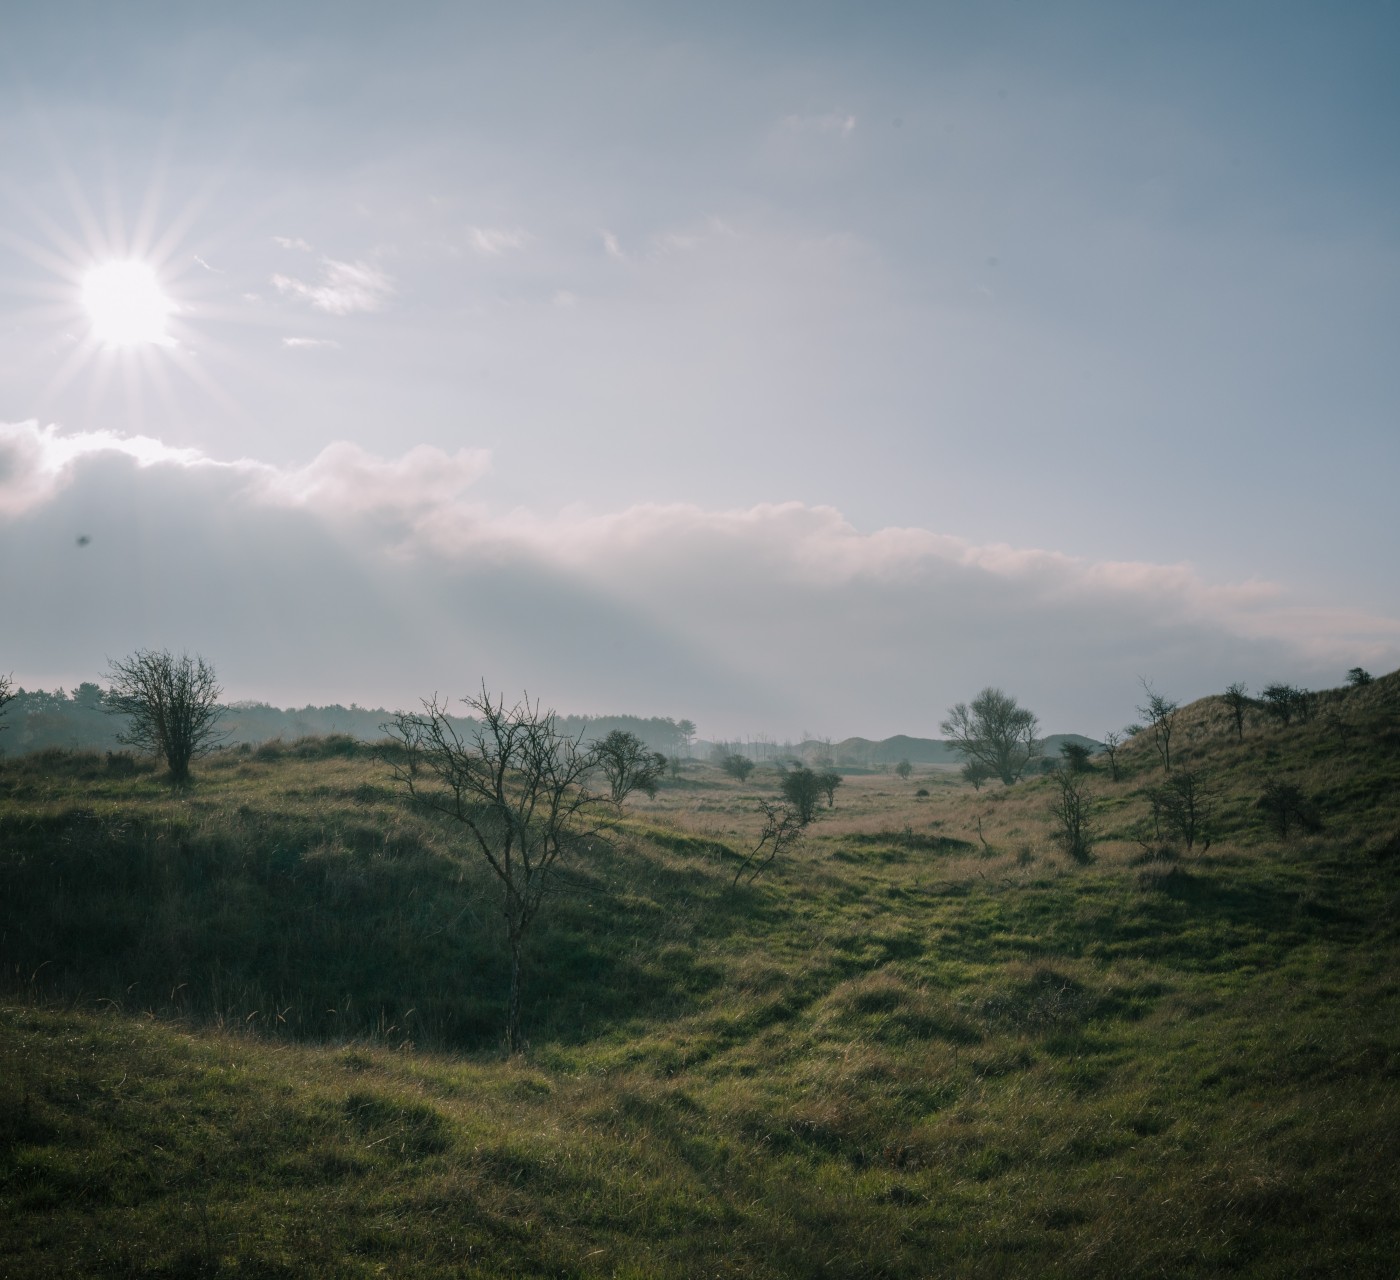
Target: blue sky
{"points": [[778, 366]]}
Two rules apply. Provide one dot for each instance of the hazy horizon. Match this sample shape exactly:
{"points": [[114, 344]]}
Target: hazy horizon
{"points": [[776, 367]]}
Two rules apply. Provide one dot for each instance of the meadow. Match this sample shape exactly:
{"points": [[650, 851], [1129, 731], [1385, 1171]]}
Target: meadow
{"points": [[253, 1027]]}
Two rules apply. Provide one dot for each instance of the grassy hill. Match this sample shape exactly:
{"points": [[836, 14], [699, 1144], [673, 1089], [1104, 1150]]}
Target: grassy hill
{"points": [[252, 1029]]}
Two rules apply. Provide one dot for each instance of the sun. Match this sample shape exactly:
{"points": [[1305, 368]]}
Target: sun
{"points": [[123, 304], [126, 305]]}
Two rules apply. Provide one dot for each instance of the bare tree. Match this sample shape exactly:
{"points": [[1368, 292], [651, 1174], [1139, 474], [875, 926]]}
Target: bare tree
{"points": [[1238, 700], [782, 830], [518, 786], [995, 732], [1112, 740], [172, 705], [1160, 712], [1072, 810], [7, 694], [628, 764]]}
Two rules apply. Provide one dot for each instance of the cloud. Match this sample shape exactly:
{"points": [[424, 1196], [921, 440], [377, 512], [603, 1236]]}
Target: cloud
{"points": [[36, 462], [292, 242], [346, 480], [691, 238], [678, 241], [343, 480], [381, 578], [309, 342], [492, 241], [650, 552], [345, 287]]}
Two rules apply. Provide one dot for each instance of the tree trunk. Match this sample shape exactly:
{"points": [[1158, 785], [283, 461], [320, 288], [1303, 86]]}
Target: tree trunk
{"points": [[514, 1042]]}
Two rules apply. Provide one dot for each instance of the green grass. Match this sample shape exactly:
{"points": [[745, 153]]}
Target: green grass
{"points": [[253, 1029]]}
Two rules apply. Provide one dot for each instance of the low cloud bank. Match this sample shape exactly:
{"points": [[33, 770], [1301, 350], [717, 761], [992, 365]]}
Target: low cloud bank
{"points": [[382, 580]]}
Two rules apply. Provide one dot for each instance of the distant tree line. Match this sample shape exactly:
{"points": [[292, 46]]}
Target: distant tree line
{"points": [[81, 719]]}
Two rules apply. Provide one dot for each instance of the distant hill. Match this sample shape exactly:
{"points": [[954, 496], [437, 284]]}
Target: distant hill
{"points": [[862, 751]]}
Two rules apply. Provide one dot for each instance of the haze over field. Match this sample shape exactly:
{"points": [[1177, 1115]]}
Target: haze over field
{"points": [[799, 369]]}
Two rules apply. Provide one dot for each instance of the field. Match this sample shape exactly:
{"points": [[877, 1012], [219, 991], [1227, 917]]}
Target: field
{"points": [[254, 1028]]}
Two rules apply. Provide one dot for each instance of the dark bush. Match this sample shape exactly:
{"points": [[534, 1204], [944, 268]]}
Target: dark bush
{"points": [[1284, 809]]}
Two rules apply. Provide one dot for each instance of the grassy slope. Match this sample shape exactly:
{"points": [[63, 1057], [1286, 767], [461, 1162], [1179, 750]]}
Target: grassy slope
{"points": [[252, 1031]]}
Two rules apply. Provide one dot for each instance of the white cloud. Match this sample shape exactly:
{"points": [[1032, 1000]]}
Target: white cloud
{"points": [[747, 620], [611, 246], [310, 342], [292, 242], [344, 479], [344, 287], [493, 241], [816, 549], [36, 462]]}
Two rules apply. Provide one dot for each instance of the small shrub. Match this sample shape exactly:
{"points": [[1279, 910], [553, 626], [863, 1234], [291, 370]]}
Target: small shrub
{"points": [[802, 788], [976, 773], [1072, 814], [1076, 757], [1285, 809], [327, 746], [1184, 807], [1165, 878], [1156, 855], [736, 766], [122, 764], [922, 791]]}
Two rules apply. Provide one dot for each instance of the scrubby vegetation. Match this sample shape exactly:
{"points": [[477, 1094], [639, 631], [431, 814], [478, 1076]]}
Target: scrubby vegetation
{"points": [[253, 1027]]}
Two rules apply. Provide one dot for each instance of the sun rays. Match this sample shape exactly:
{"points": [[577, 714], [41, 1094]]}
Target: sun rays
{"points": [[123, 313]]}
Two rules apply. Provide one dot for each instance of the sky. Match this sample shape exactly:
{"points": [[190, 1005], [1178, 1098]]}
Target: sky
{"points": [[795, 369]]}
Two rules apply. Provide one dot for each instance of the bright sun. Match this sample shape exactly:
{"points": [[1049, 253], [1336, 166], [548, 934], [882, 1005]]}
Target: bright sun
{"points": [[126, 305]]}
